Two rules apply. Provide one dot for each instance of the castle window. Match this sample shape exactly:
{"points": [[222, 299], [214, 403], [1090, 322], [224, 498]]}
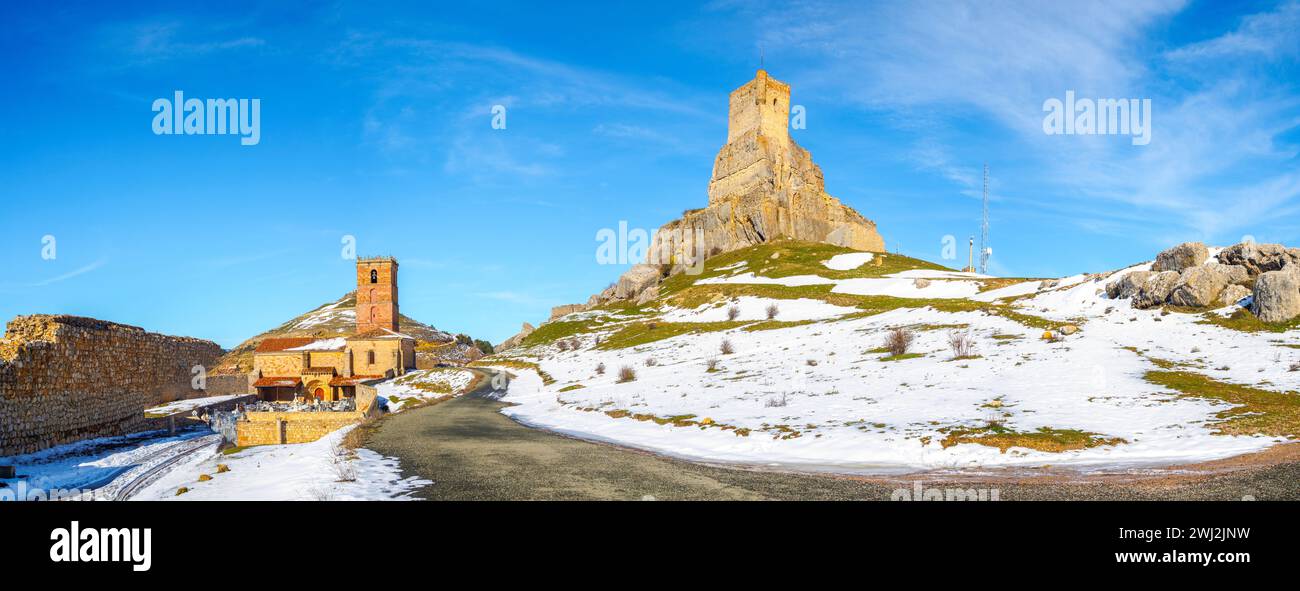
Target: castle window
{"points": [[374, 276], [370, 357]]}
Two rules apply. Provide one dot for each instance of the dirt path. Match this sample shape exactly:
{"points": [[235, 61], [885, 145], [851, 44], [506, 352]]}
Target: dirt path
{"points": [[472, 452]]}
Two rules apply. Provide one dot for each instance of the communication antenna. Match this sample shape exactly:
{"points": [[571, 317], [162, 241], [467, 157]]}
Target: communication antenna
{"points": [[985, 249]]}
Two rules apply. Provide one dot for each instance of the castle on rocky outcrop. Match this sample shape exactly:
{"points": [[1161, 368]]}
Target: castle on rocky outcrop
{"points": [[764, 186]]}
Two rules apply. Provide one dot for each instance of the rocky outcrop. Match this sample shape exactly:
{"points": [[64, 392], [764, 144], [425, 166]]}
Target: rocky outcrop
{"points": [[1200, 286], [565, 310], [67, 378], [1127, 286], [764, 186], [1259, 258], [1233, 294], [1155, 290], [514, 341], [1183, 256], [1277, 296]]}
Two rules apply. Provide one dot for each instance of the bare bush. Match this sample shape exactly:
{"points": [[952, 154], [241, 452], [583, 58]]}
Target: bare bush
{"points": [[562, 345], [320, 493], [962, 345], [712, 364], [600, 369], [341, 464], [733, 312], [776, 401], [651, 362], [726, 347], [772, 311], [626, 374], [898, 340]]}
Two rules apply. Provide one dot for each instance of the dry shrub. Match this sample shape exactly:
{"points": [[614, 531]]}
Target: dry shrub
{"points": [[898, 340], [651, 362], [733, 312], [712, 364], [626, 374], [726, 347], [600, 369], [962, 344], [772, 311]]}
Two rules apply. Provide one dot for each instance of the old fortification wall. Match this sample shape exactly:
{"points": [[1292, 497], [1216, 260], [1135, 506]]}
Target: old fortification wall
{"points": [[67, 378]]}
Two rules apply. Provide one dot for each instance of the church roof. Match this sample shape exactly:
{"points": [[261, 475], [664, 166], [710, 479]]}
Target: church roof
{"points": [[379, 333], [278, 344], [277, 382]]}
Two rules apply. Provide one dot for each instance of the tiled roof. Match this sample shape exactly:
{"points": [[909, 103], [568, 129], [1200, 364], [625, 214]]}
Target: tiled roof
{"points": [[352, 381], [277, 382], [283, 343], [379, 333]]}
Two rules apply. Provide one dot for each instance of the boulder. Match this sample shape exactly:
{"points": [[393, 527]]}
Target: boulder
{"points": [[1187, 254], [1128, 285], [513, 341], [649, 294], [1277, 296], [1231, 274], [1155, 290], [636, 280], [1233, 294], [1198, 286], [1259, 258], [921, 283]]}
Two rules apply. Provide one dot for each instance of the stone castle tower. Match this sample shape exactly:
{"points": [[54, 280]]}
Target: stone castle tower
{"points": [[764, 186], [761, 105], [377, 294]]}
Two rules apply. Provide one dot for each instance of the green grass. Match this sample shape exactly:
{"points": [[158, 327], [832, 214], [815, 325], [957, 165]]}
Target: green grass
{"points": [[902, 357], [1244, 321], [640, 333], [776, 324], [1045, 439], [1257, 412], [554, 331], [572, 388], [795, 257]]}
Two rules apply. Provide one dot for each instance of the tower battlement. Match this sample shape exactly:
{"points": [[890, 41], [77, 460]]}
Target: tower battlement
{"points": [[761, 104]]}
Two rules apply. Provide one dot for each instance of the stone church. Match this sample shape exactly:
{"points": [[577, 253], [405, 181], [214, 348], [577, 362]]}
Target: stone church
{"points": [[329, 369]]}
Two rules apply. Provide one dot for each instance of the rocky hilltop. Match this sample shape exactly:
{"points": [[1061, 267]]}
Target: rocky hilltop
{"points": [[764, 186]]}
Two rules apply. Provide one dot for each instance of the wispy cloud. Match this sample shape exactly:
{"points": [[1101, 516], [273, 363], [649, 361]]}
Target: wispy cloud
{"points": [[70, 274]]}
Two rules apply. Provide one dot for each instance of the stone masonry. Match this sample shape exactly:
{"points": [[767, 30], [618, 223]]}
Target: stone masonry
{"points": [[67, 378]]}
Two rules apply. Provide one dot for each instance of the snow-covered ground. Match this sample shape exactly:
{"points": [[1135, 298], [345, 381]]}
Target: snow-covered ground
{"points": [[819, 396], [424, 384], [187, 405], [316, 471]]}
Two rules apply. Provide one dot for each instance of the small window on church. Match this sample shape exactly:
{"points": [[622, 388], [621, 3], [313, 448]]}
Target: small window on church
{"points": [[370, 357], [374, 276]]}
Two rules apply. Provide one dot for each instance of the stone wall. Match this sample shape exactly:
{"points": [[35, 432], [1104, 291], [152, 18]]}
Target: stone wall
{"points": [[274, 428], [67, 378], [225, 384]]}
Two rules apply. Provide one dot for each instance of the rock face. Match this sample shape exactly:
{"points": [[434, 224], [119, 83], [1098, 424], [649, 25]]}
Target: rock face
{"points": [[1155, 290], [1127, 286], [565, 310], [1183, 256], [67, 378], [764, 186], [1259, 258], [1277, 296], [1233, 294], [513, 341], [1200, 286]]}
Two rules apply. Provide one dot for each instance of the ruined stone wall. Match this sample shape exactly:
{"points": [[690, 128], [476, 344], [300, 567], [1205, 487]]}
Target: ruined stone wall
{"points": [[67, 378]]}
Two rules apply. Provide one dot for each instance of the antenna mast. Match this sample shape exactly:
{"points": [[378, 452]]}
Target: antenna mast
{"points": [[985, 250]]}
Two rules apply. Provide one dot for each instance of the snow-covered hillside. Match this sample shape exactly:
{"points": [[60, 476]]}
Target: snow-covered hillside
{"points": [[1060, 374]]}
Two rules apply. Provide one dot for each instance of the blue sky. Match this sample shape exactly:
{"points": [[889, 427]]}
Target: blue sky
{"points": [[376, 123]]}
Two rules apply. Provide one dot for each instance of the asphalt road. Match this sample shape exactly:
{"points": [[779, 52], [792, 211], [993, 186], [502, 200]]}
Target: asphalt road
{"points": [[470, 451]]}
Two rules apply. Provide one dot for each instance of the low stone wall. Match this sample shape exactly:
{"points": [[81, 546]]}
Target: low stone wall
{"points": [[67, 378], [274, 428]]}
